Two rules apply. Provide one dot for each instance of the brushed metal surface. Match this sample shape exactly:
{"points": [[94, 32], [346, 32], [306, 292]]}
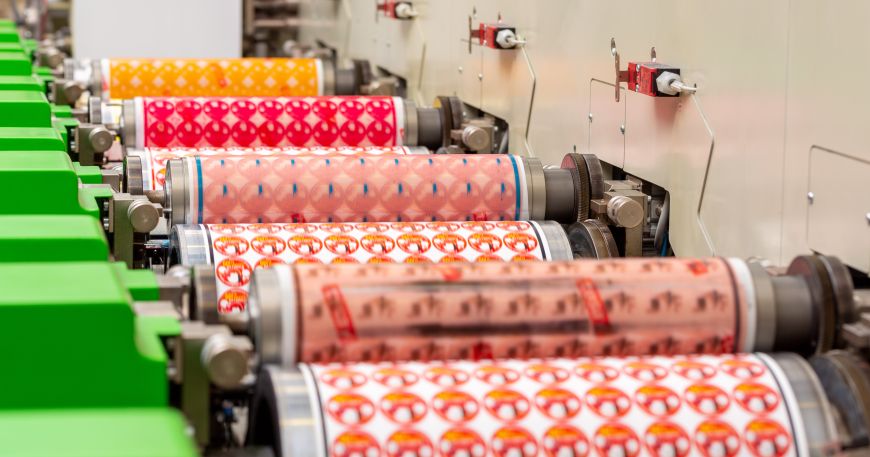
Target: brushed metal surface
{"points": [[774, 79]]}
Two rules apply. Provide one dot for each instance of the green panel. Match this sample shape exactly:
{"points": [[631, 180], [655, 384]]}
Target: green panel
{"points": [[142, 284], [88, 197], [24, 109], [44, 80], [88, 174], [9, 36], [65, 127], [61, 111], [29, 45], [115, 432], [14, 64], [76, 340], [51, 238], [20, 83], [42, 182], [13, 47], [30, 139]]}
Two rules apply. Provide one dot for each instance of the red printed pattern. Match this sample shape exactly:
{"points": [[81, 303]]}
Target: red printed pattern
{"points": [[561, 407], [272, 122], [518, 310], [155, 159], [356, 189], [238, 250]]}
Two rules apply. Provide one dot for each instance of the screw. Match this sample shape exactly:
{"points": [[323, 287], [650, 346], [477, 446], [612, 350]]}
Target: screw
{"points": [[622, 129], [590, 117], [460, 70], [811, 196], [480, 76], [867, 216], [637, 68]]}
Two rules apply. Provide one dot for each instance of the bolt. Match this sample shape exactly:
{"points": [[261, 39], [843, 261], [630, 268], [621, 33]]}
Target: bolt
{"points": [[811, 196], [460, 70], [143, 216], [867, 216], [622, 129], [480, 76], [590, 117], [637, 68]]}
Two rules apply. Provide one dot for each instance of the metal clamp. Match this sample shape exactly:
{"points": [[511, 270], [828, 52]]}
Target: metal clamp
{"points": [[131, 219], [91, 141]]}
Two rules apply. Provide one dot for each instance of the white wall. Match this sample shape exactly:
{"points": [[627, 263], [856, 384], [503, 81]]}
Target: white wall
{"points": [[157, 28], [782, 108]]}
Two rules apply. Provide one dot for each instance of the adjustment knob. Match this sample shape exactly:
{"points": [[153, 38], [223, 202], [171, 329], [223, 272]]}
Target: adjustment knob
{"points": [[475, 138], [72, 91], [100, 139], [143, 216], [226, 359], [624, 211]]}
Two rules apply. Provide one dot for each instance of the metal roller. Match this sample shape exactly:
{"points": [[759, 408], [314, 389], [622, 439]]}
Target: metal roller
{"points": [[233, 252], [580, 308], [273, 77], [845, 377], [748, 404], [592, 239], [378, 188]]}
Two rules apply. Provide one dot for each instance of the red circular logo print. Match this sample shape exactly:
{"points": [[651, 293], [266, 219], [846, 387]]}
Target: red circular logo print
{"points": [[395, 377], [231, 245], [485, 242], [557, 403], [378, 244], [403, 407], [565, 440], [455, 405], [607, 401], [232, 300], [616, 439], [507, 404], [350, 408], [665, 439], [233, 272], [342, 378], [657, 400], [268, 245], [413, 243], [341, 244], [304, 244], [707, 399], [497, 375]]}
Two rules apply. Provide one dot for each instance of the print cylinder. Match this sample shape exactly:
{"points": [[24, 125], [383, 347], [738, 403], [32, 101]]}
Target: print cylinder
{"points": [[627, 307], [236, 250], [437, 187], [117, 78], [727, 405], [250, 122], [146, 167]]}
